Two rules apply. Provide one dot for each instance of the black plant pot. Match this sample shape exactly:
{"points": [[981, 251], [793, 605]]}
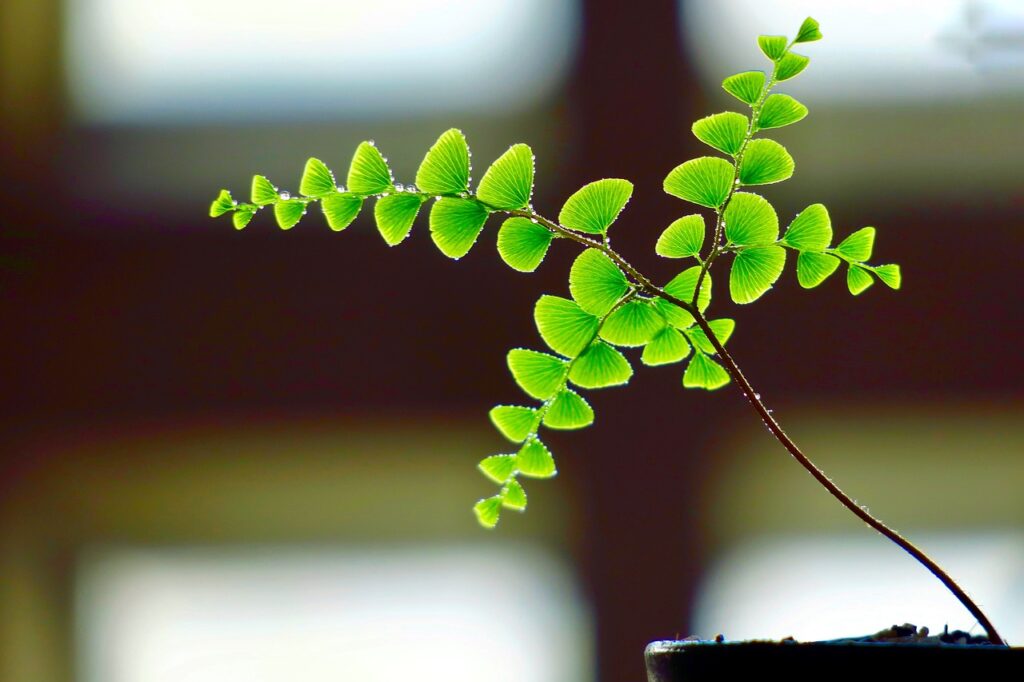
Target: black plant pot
{"points": [[699, 661]]}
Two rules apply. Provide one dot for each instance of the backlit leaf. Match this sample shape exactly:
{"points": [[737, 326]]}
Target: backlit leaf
{"points": [[263, 191], [683, 238], [667, 346], [600, 366], [772, 46], [288, 213], [317, 179], [703, 372], [540, 375], [568, 411], [790, 65], [754, 271], [514, 422], [596, 282], [750, 220], [508, 183], [445, 168], [535, 460], [811, 229], [513, 496], [814, 268], [498, 468], [595, 206], [722, 330], [858, 279], [808, 32], [455, 224], [368, 172], [395, 215], [241, 217], [222, 204], [780, 110], [890, 275], [706, 181], [746, 86], [488, 511], [725, 132], [683, 287], [858, 246], [523, 243], [633, 324], [340, 210], [564, 326], [765, 162]]}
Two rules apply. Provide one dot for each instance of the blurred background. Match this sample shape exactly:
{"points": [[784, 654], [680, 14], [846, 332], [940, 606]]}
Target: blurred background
{"points": [[251, 455]]}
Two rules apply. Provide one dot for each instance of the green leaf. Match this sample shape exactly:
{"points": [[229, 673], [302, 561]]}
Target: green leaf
{"points": [[600, 366], [703, 372], [596, 282], [513, 496], [241, 217], [317, 179], [772, 46], [858, 279], [595, 206], [514, 422], [633, 324], [445, 168], [814, 268], [725, 132], [498, 468], [340, 210], [369, 172], [683, 238], [746, 86], [706, 181], [750, 220], [890, 275], [568, 411], [765, 162], [754, 272], [222, 204], [722, 329], [535, 460], [540, 375], [790, 65], [263, 192], [564, 326], [666, 347], [488, 511], [811, 229], [508, 183], [523, 243], [289, 212], [858, 246], [780, 110], [683, 286], [808, 31], [395, 215], [455, 224]]}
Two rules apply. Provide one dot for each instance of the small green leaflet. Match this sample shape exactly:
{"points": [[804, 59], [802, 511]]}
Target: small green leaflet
{"points": [[750, 220], [568, 411], [263, 191], [722, 330], [395, 215], [632, 324], [222, 204], [595, 206], [498, 468], [765, 162], [508, 183], [772, 46], [790, 65], [241, 217], [535, 460], [455, 224], [596, 282], [706, 181], [858, 279], [600, 366], [780, 110], [683, 286], [513, 496], [289, 212], [369, 172], [340, 210], [540, 375], [317, 179], [814, 268], [445, 168], [811, 230], [488, 511], [725, 132], [746, 86], [564, 326], [890, 275], [858, 246], [666, 347], [703, 372], [808, 32], [514, 422], [523, 243], [683, 238], [754, 272]]}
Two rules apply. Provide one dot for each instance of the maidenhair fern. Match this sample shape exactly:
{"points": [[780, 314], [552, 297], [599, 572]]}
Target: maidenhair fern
{"points": [[611, 305]]}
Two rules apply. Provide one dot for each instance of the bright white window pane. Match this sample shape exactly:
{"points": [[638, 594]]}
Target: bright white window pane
{"points": [[454, 614], [201, 60], [825, 588], [872, 51]]}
